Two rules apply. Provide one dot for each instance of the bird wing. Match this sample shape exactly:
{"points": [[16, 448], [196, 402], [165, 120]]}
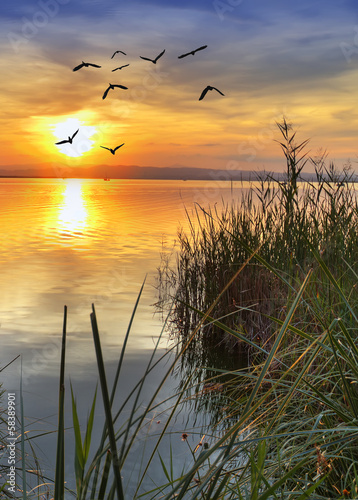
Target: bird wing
{"points": [[120, 67], [106, 92], [104, 147], [78, 67], [115, 149], [160, 55], [192, 52], [184, 55], [117, 51], [75, 133], [203, 94], [217, 90], [94, 65], [200, 48], [62, 142], [146, 58]]}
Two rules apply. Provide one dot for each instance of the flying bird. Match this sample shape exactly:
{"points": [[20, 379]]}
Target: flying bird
{"points": [[209, 87], [113, 150], [154, 61], [111, 86], [192, 52], [117, 52], [124, 66], [83, 64], [70, 139]]}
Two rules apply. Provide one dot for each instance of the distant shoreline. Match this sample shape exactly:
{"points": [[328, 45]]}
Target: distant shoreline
{"points": [[277, 177], [136, 172], [175, 172]]}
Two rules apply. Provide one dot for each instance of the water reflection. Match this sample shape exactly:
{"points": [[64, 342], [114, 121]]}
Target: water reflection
{"points": [[78, 242], [73, 213]]}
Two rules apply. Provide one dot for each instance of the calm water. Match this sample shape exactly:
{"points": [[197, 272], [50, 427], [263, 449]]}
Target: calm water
{"points": [[78, 242]]}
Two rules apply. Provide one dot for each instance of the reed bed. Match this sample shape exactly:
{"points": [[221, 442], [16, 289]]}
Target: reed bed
{"points": [[280, 220]]}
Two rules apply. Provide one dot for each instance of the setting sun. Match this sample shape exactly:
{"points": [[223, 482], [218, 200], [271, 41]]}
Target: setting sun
{"points": [[69, 141]]}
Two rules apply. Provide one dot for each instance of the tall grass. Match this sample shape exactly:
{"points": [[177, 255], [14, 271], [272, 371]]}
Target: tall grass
{"points": [[284, 220]]}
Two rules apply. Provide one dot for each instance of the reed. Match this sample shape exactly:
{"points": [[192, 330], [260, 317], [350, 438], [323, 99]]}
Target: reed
{"points": [[284, 220]]}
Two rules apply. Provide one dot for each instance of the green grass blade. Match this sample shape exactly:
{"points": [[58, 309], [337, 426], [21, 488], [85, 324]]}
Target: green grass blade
{"points": [[23, 465], [105, 475], [8, 364], [165, 470], [60, 455], [87, 440], [115, 383], [120, 362], [79, 459], [107, 407]]}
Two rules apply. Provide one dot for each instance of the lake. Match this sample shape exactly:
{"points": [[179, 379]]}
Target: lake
{"points": [[76, 242]]}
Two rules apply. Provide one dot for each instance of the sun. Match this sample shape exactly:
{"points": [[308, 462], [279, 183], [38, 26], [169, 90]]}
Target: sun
{"points": [[81, 142]]}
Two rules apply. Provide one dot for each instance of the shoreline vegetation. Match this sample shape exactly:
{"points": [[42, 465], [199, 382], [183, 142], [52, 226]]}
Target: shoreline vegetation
{"points": [[274, 277]]}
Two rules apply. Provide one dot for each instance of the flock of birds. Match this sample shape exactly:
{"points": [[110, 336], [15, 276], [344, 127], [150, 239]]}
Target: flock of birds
{"points": [[123, 87]]}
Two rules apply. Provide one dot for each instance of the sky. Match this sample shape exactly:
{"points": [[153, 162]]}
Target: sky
{"points": [[270, 59]]}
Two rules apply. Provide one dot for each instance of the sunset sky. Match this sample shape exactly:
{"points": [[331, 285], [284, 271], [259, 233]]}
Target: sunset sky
{"points": [[269, 58]]}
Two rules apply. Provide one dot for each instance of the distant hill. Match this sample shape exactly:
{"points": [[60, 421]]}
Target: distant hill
{"points": [[176, 172]]}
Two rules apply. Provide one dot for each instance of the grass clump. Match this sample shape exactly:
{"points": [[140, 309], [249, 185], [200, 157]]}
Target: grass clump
{"points": [[281, 220]]}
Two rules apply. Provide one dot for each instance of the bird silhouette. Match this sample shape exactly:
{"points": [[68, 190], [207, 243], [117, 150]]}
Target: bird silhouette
{"points": [[84, 64], [154, 61], [113, 150], [117, 52], [192, 52], [209, 87], [111, 86], [124, 66], [70, 139]]}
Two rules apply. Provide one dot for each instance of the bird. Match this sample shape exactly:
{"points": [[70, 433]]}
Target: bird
{"points": [[83, 64], [70, 139], [124, 66], [209, 87], [192, 52], [111, 86], [117, 52], [113, 150], [154, 61]]}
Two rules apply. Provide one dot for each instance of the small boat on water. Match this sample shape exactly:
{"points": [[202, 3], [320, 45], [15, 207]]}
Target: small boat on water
{"points": [[106, 179]]}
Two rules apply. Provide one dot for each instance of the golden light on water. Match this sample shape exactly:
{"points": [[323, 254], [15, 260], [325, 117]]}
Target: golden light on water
{"points": [[73, 213]]}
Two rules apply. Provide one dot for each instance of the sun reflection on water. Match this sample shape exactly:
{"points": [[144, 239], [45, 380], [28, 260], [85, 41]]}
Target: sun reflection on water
{"points": [[72, 216]]}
